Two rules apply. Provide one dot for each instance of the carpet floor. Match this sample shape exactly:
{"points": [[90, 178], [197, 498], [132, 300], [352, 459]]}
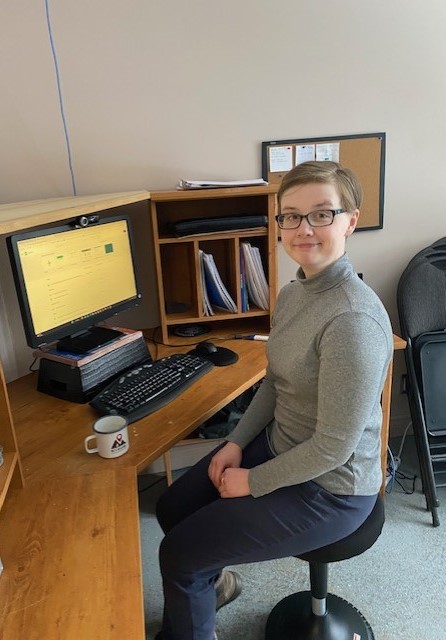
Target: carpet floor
{"points": [[399, 584]]}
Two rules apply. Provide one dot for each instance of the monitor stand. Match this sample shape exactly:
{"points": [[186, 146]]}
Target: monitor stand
{"points": [[86, 341]]}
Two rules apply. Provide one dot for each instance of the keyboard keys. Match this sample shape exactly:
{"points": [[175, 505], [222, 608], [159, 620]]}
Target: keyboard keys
{"points": [[147, 388]]}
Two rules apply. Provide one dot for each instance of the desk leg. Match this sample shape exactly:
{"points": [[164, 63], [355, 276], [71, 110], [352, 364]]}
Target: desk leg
{"points": [[385, 404], [168, 467]]}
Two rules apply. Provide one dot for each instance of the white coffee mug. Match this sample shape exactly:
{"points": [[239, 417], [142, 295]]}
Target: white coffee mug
{"points": [[111, 435]]}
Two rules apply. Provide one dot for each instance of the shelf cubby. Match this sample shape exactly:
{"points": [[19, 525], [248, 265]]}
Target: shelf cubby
{"points": [[177, 260]]}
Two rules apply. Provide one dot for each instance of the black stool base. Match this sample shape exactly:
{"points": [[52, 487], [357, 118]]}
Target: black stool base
{"points": [[292, 619]]}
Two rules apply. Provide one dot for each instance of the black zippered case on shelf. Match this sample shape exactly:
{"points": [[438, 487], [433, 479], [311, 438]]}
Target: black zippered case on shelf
{"points": [[214, 225]]}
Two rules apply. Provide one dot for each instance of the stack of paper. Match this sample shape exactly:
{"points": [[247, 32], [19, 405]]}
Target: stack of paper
{"points": [[213, 184], [215, 293], [256, 282]]}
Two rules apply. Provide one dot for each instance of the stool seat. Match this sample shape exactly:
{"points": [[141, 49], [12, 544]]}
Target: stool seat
{"points": [[316, 614], [353, 545]]}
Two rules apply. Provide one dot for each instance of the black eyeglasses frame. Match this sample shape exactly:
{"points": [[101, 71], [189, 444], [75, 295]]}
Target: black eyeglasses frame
{"points": [[334, 212]]}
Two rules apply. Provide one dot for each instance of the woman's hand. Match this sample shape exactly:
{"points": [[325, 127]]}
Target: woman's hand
{"points": [[234, 483], [225, 473], [229, 456]]}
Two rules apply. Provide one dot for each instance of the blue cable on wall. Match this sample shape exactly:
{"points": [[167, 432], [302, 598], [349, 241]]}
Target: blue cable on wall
{"points": [[59, 91]]}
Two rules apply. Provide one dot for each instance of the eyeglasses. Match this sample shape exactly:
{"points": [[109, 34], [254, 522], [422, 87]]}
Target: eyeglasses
{"points": [[314, 218]]}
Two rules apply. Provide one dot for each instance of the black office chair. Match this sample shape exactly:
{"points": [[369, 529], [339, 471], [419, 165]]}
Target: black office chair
{"points": [[316, 614], [421, 299]]}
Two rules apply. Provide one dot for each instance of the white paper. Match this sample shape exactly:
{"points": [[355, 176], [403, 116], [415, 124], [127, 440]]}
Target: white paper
{"points": [[216, 184], [328, 151], [255, 276], [261, 274], [280, 158], [305, 153]]}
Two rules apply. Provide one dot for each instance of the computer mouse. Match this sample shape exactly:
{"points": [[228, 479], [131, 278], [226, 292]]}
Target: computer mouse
{"points": [[205, 348], [220, 356]]}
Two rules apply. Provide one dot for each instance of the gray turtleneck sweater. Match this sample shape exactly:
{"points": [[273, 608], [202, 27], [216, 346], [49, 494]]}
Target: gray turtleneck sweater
{"points": [[328, 353]]}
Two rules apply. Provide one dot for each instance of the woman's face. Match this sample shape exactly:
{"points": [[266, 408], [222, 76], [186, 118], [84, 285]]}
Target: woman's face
{"points": [[314, 248]]}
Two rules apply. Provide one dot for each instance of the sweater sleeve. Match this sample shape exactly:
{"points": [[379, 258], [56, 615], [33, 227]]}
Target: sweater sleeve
{"points": [[259, 413], [354, 352]]}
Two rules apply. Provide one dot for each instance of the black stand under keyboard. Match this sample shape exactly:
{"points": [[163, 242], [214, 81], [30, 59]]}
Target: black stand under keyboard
{"points": [[149, 387]]}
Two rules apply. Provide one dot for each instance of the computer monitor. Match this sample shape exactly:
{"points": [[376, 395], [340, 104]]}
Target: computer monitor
{"points": [[68, 278]]}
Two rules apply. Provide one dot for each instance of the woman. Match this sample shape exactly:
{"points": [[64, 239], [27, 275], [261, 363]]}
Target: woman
{"points": [[302, 468]]}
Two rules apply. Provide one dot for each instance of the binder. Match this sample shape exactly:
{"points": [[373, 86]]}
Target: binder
{"points": [[216, 291], [207, 307], [243, 284]]}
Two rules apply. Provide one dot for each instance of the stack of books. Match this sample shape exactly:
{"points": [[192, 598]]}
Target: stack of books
{"points": [[50, 352]]}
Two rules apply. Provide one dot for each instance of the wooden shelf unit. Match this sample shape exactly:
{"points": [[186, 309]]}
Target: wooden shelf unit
{"points": [[177, 259], [10, 471]]}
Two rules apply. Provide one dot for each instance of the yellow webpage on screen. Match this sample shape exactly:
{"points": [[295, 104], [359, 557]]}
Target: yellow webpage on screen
{"points": [[76, 273]]}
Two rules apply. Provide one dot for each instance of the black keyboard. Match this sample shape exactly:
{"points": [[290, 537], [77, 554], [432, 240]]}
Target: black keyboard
{"points": [[150, 386]]}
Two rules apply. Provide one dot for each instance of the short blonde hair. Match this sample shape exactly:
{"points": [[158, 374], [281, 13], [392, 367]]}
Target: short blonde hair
{"points": [[325, 172]]}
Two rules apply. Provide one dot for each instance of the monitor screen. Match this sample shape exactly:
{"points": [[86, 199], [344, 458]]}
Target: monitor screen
{"points": [[69, 278]]}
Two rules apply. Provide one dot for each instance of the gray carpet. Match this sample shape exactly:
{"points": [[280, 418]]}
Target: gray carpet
{"points": [[399, 584]]}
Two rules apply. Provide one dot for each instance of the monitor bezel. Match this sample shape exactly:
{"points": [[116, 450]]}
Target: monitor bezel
{"points": [[80, 325]]}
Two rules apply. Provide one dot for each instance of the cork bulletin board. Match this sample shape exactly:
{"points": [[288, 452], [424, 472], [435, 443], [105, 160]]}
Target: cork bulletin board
{"points": [[364, 154]]}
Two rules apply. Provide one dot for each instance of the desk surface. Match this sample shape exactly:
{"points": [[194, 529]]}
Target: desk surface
{"points": [[72, 560], [69, 540], [50, 432]]}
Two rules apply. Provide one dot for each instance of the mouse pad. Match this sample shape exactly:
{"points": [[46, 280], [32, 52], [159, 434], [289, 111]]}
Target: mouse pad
{"points": [[221, 358]]}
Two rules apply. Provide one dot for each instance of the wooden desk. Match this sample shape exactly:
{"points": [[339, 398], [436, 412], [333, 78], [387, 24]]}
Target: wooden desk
{"points": [[72, 559], [70, 540], [50, 432]]}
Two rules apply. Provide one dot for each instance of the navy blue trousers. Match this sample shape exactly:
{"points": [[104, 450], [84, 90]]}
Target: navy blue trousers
{"points": [[204, 533]]}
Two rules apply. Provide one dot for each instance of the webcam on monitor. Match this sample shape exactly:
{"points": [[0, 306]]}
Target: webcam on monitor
{"points": [[83, 221]]}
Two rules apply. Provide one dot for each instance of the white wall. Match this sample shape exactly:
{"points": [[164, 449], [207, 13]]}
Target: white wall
{"points": [[154, 91]]}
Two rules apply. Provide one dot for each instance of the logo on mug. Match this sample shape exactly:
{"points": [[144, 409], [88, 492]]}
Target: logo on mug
{"points": [[119, 442]]}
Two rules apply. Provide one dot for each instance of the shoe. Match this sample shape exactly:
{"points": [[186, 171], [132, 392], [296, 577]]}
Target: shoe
{"points": [[228, 587]]}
